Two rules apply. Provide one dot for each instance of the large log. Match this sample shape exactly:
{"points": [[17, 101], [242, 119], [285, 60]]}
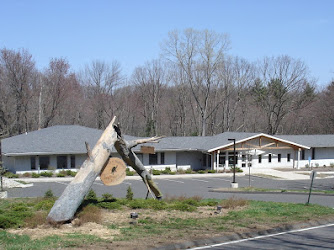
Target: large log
{"points": [[124, 149], [72, 197]]}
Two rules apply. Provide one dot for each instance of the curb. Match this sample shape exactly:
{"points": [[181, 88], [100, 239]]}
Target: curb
{"points": [[155, 177], [240, 236], [263, 192]]}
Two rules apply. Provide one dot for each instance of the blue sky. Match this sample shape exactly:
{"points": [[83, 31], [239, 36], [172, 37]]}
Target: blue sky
{"points": [[131, 31]]}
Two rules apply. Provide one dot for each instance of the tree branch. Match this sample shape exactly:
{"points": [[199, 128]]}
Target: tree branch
{"points": [[154, 139]]}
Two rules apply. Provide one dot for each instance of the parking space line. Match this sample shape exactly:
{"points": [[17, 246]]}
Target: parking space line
{"points": [[198, 180], [173, 180], [61, 183]]}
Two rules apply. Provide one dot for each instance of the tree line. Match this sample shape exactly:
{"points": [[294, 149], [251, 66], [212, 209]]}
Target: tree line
{"points": [[194, 88]]}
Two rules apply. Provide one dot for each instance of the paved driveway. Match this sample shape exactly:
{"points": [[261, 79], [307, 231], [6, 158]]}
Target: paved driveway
{"points": [[193, 185]]}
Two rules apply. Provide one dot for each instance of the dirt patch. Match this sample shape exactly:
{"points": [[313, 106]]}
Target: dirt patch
{"points": [[121, 218], [88, 228]]}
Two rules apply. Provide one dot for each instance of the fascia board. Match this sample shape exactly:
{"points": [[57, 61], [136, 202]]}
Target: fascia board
{"points": [[259, 135]]}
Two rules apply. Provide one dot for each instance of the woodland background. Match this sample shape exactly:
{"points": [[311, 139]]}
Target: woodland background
{"points": [[194, 88]]}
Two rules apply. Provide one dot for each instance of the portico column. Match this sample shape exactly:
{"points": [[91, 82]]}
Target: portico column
{"points": [[226, 159], [218, 153], [298, 157], [38, 164], [214, 160]]}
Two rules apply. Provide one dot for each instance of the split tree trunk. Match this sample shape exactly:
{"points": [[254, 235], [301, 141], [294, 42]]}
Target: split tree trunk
{"points": [[67, 204], [124, 149], [72, 197]]}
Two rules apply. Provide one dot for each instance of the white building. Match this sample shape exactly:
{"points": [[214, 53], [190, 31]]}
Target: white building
{"points": [[63, 147]]}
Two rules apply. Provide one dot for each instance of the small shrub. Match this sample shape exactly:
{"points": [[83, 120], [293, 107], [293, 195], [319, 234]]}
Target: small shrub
{"points": [[47, 174], [156, 204], [211, 171], [35, 175], [188, 171], [331, 164], [37, 219], [182, 206], [109, 205], [11, 175], [45, 204], [129, 194], [307, 166], [107, 197], [129, 173], [48, 194], [156, 172], [27, 174], [238, 170], [138, 204], [70, 173], [317, 165], [61, 174], [201, 172], [166, 171], [90, 213], [91, 195]]}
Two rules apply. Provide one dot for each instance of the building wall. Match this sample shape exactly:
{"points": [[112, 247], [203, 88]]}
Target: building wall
{"points": [[21, 164], [185, 160]]}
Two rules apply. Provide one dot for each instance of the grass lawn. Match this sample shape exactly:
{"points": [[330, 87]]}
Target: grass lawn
{"points": [[106, 223]]}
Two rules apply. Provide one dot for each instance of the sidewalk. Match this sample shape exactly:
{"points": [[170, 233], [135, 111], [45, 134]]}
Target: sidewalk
{"points": [[285, 175]]}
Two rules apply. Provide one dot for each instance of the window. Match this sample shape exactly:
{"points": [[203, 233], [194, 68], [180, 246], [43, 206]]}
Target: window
{"points": [[279, 156], [269, 158], [162, 158], [288, 157], [303, 154], [72, 161], [313, 153], [140, 157], [243, 157], [153, 159], [61, 161], [260, 158], [230, 158], [33, 162], [204, 160], [44, 162]]}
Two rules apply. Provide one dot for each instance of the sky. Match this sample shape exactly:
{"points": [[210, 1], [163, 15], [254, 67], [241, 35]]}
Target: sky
{"points": [[131, 32]]}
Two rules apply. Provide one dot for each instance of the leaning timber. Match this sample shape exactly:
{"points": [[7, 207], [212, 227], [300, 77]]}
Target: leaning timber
{"points": [[124, 149], [72, 197]]}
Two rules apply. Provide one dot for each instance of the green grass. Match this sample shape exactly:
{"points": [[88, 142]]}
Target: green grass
{"points": [[258, 214], [242, 216], [255, 189], [21, 242]]}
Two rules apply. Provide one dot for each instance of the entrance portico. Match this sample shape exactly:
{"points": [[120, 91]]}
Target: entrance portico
{"points": [[260, 151]]}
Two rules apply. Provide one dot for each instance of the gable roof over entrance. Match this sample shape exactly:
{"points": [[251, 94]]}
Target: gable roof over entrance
{"points": [[248, 137]]}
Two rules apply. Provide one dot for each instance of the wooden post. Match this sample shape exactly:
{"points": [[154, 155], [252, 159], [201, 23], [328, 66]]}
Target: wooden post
{"points": [[72, 197]]}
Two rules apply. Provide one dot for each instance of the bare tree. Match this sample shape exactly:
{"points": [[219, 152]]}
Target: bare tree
{"points": [[101, 80], [17, 78], [283, 87], [150, 81], [55, 86], [198, 54]]}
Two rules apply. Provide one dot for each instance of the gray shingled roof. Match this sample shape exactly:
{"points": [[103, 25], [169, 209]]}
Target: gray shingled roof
{"points": [[70, 139], [319, 141], [53, 140]]}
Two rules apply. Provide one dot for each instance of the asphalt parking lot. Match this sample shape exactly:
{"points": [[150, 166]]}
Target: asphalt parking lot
{"points": [[196, 185]]}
